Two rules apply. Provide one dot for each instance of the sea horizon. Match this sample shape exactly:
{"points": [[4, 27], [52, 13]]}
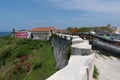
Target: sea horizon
{"points": [[5, 33]]}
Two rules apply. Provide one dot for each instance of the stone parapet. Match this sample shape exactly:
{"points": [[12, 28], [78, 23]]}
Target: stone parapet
{"points": [[81, 62]]}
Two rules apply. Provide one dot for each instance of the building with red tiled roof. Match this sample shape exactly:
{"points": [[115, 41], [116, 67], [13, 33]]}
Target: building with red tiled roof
{"points": [[59, 31], [43, 29], [43, 33]]}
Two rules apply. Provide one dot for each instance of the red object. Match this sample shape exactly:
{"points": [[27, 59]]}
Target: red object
{"points": [[27, 67], [21, 34], [43, 29], [23, 58], [18, 66]]}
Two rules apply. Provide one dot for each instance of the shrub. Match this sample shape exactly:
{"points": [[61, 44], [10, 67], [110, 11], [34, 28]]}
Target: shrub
{"points": [[68, 54], [23, 41], [95, 72], [37, 65], [6, 53], [6, 37], [21, 52], [2, 62], [15, 61], [41, 45], [53, 36], [23, 58], [30, 47]]}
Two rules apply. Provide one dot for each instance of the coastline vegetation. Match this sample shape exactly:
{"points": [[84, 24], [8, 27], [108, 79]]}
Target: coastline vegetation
{"points": [[25, 59]]}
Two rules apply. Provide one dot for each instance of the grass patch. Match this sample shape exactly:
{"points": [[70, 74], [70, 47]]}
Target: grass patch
{"points": [[25, 59], [95, 73], [68, 52]]}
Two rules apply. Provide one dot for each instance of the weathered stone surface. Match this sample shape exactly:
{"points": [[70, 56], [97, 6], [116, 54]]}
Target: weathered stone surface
{"points": [[77, 40], [41, 35], [81, 48], [81, 63], [59, 49], [108, 67], [76, 69]]}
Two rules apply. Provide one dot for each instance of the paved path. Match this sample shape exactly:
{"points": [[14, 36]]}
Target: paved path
{"points": [[108, 67]]}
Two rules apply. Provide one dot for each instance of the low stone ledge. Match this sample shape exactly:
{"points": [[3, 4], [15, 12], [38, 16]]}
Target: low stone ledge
{"points": [[78, 51], [81, 49], [77, 40], [83, 45], [78, 68]]}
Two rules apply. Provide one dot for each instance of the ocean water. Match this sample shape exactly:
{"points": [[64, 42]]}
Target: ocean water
{"points": [[5, 33]]}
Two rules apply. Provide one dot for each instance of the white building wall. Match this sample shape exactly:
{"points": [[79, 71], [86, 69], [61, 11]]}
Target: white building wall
{"points": [[41, 35]]}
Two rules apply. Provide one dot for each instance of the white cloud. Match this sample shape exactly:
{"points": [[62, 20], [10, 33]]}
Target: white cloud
{"points": [[104, 6], [86, 12]]}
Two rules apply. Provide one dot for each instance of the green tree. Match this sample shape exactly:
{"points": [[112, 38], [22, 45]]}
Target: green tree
{"points": [[69, 29], [109, 29], [72, 30], [84, 29]]}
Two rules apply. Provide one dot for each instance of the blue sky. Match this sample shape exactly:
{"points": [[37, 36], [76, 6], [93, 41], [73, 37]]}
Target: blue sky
{"points": [[27, 14]]}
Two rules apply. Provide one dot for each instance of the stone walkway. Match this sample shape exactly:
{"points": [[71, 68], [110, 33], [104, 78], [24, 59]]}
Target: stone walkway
{"points": [[81, 62], [108, 67]]}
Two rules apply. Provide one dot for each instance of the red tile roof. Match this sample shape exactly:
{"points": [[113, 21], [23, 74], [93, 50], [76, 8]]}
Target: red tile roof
{"points": [[60, 31], [43, 29]]}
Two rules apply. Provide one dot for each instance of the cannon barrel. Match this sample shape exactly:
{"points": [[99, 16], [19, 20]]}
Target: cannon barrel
{"points": [[106, 46]]}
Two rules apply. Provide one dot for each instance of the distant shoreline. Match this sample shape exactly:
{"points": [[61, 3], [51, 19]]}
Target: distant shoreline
{"points": [[5, 33]]}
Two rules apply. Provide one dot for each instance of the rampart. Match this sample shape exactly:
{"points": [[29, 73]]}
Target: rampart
{"points": [[81, 63]]}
